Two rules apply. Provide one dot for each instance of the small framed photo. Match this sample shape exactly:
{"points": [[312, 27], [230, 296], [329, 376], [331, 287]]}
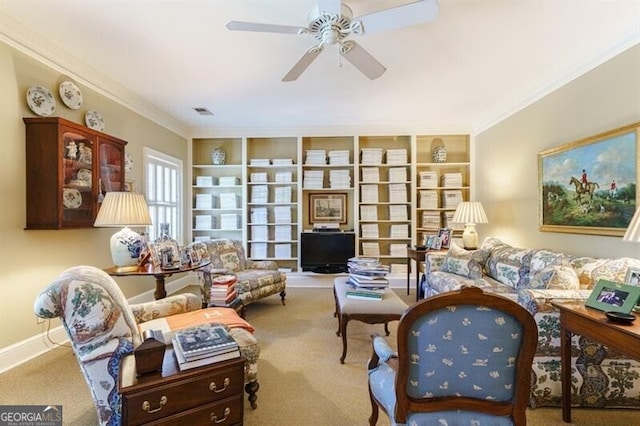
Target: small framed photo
{"points": [[445, 237], [610, 296], [633, 276], [154, 256]]}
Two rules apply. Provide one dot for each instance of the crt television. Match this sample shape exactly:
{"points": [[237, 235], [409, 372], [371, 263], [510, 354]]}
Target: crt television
{"points": [[326, 252]]}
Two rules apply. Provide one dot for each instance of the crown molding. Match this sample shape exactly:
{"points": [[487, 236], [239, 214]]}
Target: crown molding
{"points": [[42, 50]]}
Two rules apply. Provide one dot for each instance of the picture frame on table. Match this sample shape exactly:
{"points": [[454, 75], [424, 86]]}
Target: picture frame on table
{"points": [[445, 237], [633, 276], [610, 296], [589, 186], [154, 256], [328, 208]]}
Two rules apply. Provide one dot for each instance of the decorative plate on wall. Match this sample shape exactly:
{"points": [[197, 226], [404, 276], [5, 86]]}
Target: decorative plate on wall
{"points": [[128, 162], [94, 120], [41, 101], [70, 94]]}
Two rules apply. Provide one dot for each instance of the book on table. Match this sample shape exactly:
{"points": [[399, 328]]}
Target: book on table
{"points": [[365, 293], [185, 364], [193, 342]]}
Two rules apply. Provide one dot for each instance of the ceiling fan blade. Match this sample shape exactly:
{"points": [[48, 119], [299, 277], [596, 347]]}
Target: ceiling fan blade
{"points": [[361, 59], [399, 17], [330, 6], [263, 28], [303, 63]]}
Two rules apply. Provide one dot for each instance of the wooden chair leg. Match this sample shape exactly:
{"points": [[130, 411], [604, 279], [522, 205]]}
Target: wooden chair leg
{"points": [[373, 418], [283, 294], [252, 388]]}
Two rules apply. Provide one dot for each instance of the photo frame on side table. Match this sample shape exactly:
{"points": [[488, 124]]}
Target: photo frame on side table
{"points": [[328, 208], [610, 296], [633, 276]]}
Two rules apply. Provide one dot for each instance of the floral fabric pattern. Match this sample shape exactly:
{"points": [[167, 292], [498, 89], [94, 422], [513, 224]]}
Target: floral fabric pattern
{"points": [[535, 278], [467, 263]]}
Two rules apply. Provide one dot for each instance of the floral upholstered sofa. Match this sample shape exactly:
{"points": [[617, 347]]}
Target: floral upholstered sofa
{"points": [[535, 277]]}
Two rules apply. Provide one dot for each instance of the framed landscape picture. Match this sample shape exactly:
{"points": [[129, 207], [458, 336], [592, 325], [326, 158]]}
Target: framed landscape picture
{"points": [[328, 208], [590, 186]]}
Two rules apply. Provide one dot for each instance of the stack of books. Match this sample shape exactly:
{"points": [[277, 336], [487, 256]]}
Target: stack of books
{"points": [[397, 156], [339, 158], [339, 179], [223, 292], [203, 345], [367, 278], [371, 156], [316, 157]]}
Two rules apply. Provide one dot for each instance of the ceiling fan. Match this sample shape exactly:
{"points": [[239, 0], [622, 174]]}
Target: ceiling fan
{"points": [[331, 22]]}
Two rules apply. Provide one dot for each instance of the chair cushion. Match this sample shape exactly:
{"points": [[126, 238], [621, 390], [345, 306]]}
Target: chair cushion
{"points": [[466, 263]]}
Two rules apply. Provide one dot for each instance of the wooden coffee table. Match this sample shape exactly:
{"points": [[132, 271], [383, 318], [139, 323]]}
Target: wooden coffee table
{"points": [[575, 318]]}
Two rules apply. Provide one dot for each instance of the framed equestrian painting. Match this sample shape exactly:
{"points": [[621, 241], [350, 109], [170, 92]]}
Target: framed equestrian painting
{"points": [[590, 186]]}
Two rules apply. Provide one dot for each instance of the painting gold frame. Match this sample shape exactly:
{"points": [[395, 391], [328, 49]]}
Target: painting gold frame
{"points": [[328, 208], [606, 202]]}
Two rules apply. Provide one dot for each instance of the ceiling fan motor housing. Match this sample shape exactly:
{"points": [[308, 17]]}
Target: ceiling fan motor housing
{"points": [[330, 29]]}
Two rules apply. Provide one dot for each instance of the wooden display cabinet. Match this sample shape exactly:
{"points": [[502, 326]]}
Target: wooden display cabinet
{"points": [[68, 167]]}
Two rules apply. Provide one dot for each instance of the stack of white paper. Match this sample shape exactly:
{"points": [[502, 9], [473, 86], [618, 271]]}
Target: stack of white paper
{"points": [[428, 179], [368, 212], [369, 230], [260, 177], [339, 179], [397, 156], [399, 230], [451, 199], [428, 199], [398, 174], [260, 194], [283, 194], [398, 212], [370, 174], [259, 215], [228, 221], [258, 250], [430, 220], [451, 180], [283, 177], [204, 201], [228, 200], [398, 250], [371, 155], [339, 158], [316, 157], [260, 162], [283, 233], [282, 162], [399, 268], [204, 222], [282, 214], [370, 250], [228, 181], [397, 193], [259, 233], [369, 193], [204, 181], [282, 250], [313, 179]]}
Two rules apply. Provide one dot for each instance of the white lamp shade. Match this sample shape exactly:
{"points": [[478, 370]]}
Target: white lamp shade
{"points": [[633, 231], [123, 209]]}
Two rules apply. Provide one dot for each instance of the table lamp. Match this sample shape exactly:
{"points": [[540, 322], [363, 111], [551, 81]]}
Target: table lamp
{"points": [[124, 209], [633, 231], [470, 213]]}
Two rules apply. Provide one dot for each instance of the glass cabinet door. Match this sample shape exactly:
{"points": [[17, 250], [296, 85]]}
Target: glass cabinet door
{"points": [[111, 167], [77, 191]]}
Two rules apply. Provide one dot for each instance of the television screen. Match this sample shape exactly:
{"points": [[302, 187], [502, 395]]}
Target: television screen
{"points": [[326, 252]]}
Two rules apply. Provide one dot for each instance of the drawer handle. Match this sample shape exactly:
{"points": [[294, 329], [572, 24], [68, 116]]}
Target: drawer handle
{"points": [[214, 418], [146, 406], [213, 387]]}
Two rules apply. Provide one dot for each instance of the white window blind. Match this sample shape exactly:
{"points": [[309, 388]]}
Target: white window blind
{"points": [[163, 182]]}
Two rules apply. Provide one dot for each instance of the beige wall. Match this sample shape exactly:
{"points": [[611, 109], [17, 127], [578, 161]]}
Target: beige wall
{"points": [[29, 260], [506, 167]]}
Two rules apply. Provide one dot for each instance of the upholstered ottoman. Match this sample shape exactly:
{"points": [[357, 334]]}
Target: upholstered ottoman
{"points": [[390, 308]]}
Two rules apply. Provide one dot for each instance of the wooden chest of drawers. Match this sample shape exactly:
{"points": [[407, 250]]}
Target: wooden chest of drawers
{"points": [[209, 394]]}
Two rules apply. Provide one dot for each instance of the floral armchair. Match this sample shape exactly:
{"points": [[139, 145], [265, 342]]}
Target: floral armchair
{"points": [[103, 328], [464, 357], [256, 279]]}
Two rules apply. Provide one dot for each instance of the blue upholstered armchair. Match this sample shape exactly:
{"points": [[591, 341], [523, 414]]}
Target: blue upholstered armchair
{"points": [[464, 358], [102, 327]]}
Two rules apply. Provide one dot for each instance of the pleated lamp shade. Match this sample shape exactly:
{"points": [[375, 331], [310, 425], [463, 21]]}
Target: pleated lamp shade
{"points": [[124, 209], [470, 213], [633, 231]]}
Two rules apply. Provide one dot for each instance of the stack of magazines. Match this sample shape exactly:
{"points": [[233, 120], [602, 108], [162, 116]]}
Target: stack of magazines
{"points": [[367, 278], [202, 345]]}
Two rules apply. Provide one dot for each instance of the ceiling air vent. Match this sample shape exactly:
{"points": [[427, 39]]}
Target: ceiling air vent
{"points": [[202, 111]]}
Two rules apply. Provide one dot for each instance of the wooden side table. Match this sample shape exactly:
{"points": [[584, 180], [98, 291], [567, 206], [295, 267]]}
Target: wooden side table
{"points": [[211, 394], [158, 273], [418, 256], [576, 318]]}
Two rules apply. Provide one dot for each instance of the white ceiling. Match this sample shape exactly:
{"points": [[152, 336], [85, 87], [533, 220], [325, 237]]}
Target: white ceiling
{"points": [[478, 62]]}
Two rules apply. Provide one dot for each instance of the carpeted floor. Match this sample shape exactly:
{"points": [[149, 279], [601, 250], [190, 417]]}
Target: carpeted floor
{"points": [[301, 379]]}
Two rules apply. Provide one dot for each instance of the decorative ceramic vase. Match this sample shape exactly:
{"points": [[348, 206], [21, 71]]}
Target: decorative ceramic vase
{"points": [[218, 156], [439, 154]]}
